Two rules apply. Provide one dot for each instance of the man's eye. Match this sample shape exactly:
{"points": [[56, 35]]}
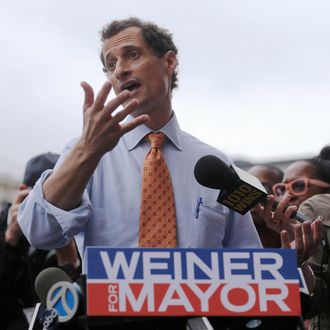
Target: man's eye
{"points": [[111, 66], [133, 55]]}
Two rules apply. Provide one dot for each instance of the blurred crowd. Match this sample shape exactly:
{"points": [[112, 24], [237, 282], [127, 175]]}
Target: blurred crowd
{"points": [[20, 263], [304, 186]]}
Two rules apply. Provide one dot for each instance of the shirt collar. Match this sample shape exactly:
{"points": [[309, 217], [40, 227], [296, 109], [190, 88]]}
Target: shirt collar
{"points": [[171, 130]]}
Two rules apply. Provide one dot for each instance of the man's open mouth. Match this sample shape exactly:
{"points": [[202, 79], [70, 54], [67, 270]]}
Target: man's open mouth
{"points": [[131, 86]]}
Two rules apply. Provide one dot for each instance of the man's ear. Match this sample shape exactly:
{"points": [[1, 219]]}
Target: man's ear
{"points": [[171, 61]]}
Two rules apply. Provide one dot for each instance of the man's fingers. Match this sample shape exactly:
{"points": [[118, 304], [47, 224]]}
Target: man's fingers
{"points": [[268, 207], [102, 96], [285, 241], [134, 123], [121, 115], [308, 238], [89, 95], [280, 208], [23, 186], [289, 211], [288, 221], [113, 104], [299, 241], [317, 228], [259, 210], [21, 195], [14, 209]]}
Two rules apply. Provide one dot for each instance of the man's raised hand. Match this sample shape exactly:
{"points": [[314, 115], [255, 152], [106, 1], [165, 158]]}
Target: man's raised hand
{"points": [[103, 126]]}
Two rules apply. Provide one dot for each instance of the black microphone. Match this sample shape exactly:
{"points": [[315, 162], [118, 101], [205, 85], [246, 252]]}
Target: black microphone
{"points": [[58, 293], [239, 190]]}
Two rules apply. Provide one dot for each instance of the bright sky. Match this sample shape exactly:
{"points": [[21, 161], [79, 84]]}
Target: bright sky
{"points": [[254, 75]]}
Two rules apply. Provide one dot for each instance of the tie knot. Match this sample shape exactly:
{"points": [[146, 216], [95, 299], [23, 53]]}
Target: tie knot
{"points": [[156, 139]]}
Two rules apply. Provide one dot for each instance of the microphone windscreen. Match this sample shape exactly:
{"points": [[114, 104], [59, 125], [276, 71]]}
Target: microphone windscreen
{"points": [[46, 279], [210, 171]]}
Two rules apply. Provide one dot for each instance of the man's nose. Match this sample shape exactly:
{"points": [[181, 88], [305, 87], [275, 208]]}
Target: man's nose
{"points": [[122, 69]]}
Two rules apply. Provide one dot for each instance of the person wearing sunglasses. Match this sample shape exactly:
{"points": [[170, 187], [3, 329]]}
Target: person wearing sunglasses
{"points": [[306, 188], [300, 183]]}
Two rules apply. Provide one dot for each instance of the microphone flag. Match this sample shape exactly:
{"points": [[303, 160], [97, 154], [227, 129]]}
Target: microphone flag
{"points": [[245, 194]]}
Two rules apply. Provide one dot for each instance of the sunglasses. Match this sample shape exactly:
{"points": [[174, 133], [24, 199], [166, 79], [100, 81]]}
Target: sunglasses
{"points": [[297, 187]]}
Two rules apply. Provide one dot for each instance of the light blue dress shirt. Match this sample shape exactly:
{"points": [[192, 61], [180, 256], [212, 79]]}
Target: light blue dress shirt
{"points": [[110, 209]]}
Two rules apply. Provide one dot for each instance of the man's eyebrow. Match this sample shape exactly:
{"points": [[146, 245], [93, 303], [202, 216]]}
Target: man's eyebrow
{"points": [[123, 49]]}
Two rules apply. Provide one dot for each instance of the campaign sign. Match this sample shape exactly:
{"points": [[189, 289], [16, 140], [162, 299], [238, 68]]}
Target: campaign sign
{"points": [[182, 282]]}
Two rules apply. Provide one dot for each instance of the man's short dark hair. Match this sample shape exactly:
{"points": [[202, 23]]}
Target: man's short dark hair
{"points": [[159, 39], [37, 165]]}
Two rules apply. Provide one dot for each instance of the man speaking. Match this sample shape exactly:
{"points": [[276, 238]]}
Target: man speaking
{"points": [[128, 180]]}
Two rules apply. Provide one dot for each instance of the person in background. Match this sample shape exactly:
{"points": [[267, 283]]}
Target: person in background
{"points": [[21, 263], [268, 175], [319, 307], [306, 187]]}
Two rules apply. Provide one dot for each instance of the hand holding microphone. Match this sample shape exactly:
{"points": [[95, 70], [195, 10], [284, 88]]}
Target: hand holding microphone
{"points": [[239, 190]]}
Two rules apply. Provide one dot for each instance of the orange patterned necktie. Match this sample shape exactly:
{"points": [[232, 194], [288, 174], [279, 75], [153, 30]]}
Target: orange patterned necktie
{"points": [[157, 217]]}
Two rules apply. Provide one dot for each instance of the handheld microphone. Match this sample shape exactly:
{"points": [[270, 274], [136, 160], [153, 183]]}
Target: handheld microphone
{"points": [[56, 291], [239, 190]]}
